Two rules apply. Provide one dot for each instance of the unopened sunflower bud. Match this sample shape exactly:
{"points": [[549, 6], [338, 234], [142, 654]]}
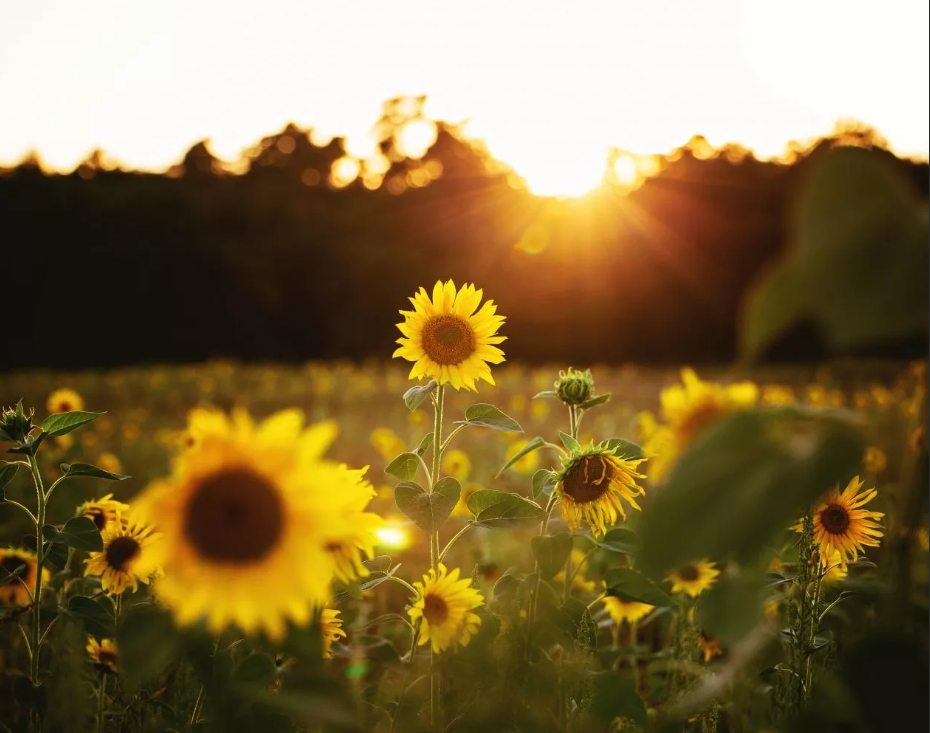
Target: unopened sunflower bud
{"points": [[574, 387], [15, 424]]}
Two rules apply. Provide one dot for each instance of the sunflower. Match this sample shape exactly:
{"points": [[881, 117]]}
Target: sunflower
{"points": [[629, 611], [331, 629], [592, 483], [709, 646], [103, 511], [840, 526], [457, 464], [875, 460], [447, 340], [837, 570], [127, 557], [14, 593], [686, 411], [103, 654], [387, 443], [64, 400], [256, 523], [444, 607], [693, 578]]}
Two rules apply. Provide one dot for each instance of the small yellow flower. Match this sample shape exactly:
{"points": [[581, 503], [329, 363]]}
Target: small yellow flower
{"points": [[461, 508], [104, 511], [331, 629], [710, 647], [539, 409], [64, 400], [14, 593], [777, 394], [629, 611], [103, 654], [579, 583], [923, 538], [874, 460], [387, 443], [456, 463], [63, 442], [444, 608], [694, 578], [529, 462], [109, 462], [126, 559]]}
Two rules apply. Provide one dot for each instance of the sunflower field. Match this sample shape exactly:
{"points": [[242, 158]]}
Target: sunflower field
{"points": [[458, 544]]}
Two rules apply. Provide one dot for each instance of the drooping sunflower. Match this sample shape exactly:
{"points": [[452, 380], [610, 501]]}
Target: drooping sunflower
{"points": [[592, 483], [629, 611], [250, 515], [14, 593], [447, 339], [103, 654], [840, 526], [444, 608], [127, 558], [64, 400], [686, 411], [103, 511], [693, 578], [331, 629]]}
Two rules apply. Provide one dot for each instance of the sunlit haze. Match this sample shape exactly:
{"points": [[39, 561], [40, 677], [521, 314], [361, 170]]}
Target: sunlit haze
{"points": [[549, 87]]}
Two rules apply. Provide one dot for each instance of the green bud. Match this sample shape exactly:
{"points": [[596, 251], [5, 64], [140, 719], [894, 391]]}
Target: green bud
{"points": [[574, 387], [15, 424]]}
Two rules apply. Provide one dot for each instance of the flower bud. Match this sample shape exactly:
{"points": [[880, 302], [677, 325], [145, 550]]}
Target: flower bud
{"points": [[574, 387], [15, 424]]}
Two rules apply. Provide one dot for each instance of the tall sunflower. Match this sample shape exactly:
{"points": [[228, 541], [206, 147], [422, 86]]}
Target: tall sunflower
{"points": [[103, 511], [331, 629], [447, 339], [103, 654], [842, 527], [686, 411], [127, 558], [444, 607], [629, 611], [693, 578], [592, 483], [250, 515], [14, 593]]}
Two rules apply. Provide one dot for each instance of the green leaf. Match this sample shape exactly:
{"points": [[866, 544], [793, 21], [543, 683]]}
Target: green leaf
{"points": [[629, 585], [595, 401], [7, 472], [534, 444], [576, 622], [404, 466], [148, 641], [30, 445], [501, 509], [79, 532], [257, 670], [97, 618], [488, 416], [551, 552], [732, 608], [425, 444], [625, 449], [615, 696], [546, 393], [506, 586], [62, 423], [56, 554], [30, 697], [429, 511], [85, 469], [414, 396], [7, 576], [746, 478], [569, 442], [544, 481], [622, 540]]}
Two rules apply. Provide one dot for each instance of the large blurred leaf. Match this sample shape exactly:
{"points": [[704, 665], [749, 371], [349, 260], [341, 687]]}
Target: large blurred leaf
{"points": [[7, 472], [745, 478], [551, 552], [732, 608], [428, 510], [404, 466], [488, 416], [858, 261], [97, 617], [501, 509], [629, 585], [85, 469], [615, 696], [79, 532]]}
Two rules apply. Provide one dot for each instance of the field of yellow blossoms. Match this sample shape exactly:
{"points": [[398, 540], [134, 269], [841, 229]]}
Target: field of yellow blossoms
{"points": [[447, 542]]}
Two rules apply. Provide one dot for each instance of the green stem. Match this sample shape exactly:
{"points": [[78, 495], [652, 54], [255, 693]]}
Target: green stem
{"points": [[101, 697], [451, 542], [531, 616], [435, 690], [401, 581], [32, 516], [450, 436], [40, 562], [573, 420]]}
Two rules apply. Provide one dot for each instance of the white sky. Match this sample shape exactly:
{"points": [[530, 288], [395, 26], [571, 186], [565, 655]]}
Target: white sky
{"points": [[144, 80]]}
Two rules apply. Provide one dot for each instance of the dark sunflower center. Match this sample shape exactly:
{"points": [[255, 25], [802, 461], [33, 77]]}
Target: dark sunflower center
{"points": [[64, 406], [698, 420], [448, 339], [688, 573], [435, 609], [835, 519], [97, 515], [107, 657], [120, 551], [12, 564], [234, 517], [588, 479]]}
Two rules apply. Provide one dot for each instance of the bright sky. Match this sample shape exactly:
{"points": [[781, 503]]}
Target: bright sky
{"points": [[548, 86]]}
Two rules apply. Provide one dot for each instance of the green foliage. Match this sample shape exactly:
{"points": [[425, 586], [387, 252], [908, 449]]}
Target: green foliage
{"points": [[488, 416], [532, 445], [404, 467], [97, 617], [630, 585], [624, 449], [615, 696], [501, 509], [7, 473], [622, 540], [569, 442], [414, 396], [551, 552], [62, 423], [428, 510], [79, 532], [544, 481], [71, 470]]}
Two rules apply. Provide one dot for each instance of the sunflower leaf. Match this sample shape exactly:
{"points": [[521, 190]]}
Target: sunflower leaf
{"points": [[551, 552], [62, 423], [425, 444], [488, 416], [429, 511], [79, 532], [98, 620], [7, 576], [7, 472], [85, 469], [414, 396], [624, 449], [404, 466], [528, 448], [502, 509], [544, 481], [622, 540], [595, 401], [629, 585], [546, 393], [569, 442], [615, 696], [30, 445]]}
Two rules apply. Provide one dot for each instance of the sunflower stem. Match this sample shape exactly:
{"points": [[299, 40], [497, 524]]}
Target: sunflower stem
{"points": [[451, 542], [573, 420], [40, 561], [101, 697], [435, 691]]}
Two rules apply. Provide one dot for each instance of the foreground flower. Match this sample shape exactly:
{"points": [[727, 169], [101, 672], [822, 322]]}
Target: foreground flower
{"points": [[64, 400], [447, 339], [840, 526], [256, 523], [444, 606], [103, 654], [694, 577], [127, 558], [592, 483], [331, 630], [104, 511], [629, 611], [686, 411], [14, 592]]}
